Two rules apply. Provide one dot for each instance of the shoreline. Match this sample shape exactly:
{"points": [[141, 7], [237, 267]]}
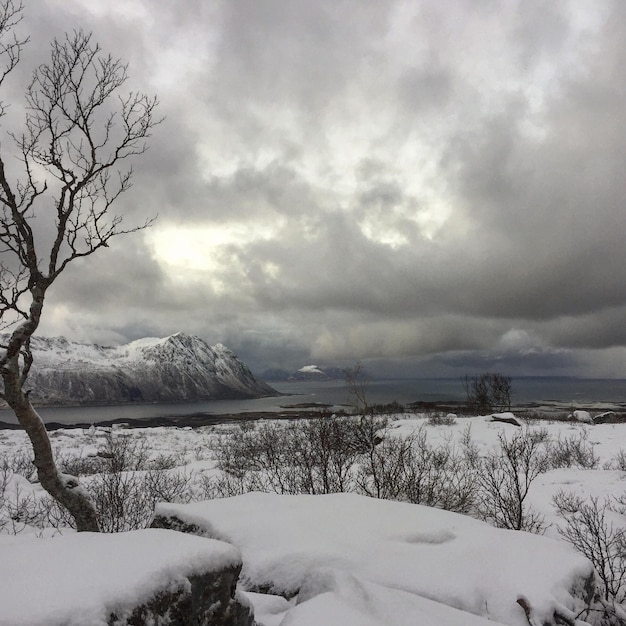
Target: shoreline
{"points": [[191, 420], [615, 412]]}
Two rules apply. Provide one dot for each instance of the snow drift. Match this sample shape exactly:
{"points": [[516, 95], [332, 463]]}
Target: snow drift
{"points": [[375, 562]]}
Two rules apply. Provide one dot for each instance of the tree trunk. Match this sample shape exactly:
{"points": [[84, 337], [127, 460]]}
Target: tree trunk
{"points": [[65, 489]]}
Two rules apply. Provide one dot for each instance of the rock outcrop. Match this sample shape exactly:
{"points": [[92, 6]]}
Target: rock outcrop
{"points": [[375, 560], [206, 599], [140, 577]]}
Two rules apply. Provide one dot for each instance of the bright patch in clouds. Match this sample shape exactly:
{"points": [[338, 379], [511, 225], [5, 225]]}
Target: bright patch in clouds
{"points": [[181, 250]]}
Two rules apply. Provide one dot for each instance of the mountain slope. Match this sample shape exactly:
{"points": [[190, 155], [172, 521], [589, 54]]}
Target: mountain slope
{"points": [[180, 368]]}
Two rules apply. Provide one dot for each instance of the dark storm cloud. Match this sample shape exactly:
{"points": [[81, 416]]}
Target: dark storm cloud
{"points": [[373, 180], [558, 201]]}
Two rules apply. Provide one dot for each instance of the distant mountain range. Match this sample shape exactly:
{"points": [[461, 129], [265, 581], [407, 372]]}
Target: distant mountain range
{"points": [[180, 368], [307, 372]]}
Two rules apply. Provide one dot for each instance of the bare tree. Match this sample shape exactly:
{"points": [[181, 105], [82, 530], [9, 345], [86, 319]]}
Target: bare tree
{"points": [[356, 380], [488, 392], [79, 133]]}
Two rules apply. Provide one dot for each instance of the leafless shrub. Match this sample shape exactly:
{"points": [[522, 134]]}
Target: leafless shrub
{"points": [[357, 381], [124, 453], [470, 450], [308, 456], [505, 477], [167, 461], [126, 500], [19, 507], [367, 432], [342, 453], [409, 469], [124, 483], [384, 469], [227, 485], [120, 452], [575, 451], [589, 529], [618, 462], [442, 420], [20, 462], [326, 451], [247, 453], [78, 465], [127, 483], [441, 478]]}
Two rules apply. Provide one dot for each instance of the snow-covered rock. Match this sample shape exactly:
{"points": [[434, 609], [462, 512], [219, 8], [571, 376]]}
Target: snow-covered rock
{"points": [[582, 416], [142, 577], [175, 369], [506, 418], [349, 559]]}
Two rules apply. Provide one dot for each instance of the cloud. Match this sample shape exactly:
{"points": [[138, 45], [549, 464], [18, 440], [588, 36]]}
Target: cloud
{"points": [[425, 187]]}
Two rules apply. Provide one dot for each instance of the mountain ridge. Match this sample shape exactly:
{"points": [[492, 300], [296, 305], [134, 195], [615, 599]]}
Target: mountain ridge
{"points": [[178, 368]]}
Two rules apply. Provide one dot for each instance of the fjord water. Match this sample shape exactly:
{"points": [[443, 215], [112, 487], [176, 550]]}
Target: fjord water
{"points": [[567, 393]]}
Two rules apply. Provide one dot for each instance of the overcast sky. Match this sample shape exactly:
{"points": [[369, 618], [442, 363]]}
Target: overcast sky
{"points": [[432, 187]]}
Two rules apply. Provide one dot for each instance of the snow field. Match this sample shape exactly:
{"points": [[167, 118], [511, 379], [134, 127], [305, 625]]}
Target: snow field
{"points": [[354, 560]]}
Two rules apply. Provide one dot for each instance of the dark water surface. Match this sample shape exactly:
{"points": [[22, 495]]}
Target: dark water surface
{"points": [[566, 393]]}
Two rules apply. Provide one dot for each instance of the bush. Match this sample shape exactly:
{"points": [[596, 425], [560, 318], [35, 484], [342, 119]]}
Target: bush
{"points": [[306, 456], [122, 480], [333, 453], [442, 420], [21, 462], [589, 530], [489, 392], [19, 507], [505, 477], [618, 462], [126, 500], [338, 454], [409, 469], [575, 451]]}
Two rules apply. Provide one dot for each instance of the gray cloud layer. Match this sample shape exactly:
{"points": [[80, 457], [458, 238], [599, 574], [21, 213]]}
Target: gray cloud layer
{"points": [[431, 186]]}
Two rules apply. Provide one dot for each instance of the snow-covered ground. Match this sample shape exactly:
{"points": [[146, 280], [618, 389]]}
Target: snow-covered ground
{"points": [[352, 560], [383, 562], [81, 579]]}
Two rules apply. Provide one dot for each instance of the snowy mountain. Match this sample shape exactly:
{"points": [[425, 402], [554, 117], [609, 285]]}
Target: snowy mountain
{"points": [[179, 368], [313, 372], [306, 373]]}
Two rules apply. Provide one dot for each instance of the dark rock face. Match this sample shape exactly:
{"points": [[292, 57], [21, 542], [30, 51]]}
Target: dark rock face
{"points": [[171, 522], [212, 597], [209, 600], [137, 578], [180, 368]]}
